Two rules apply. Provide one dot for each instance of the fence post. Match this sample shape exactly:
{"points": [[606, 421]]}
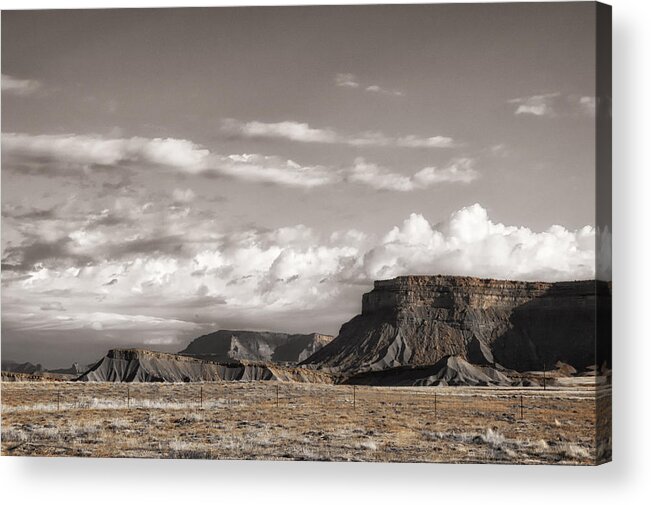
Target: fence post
{"points": [[58, 400], [354, 397], [545, 376], [521, 408], [277, 395], [128, 397], [201, 397], [435, 411]]}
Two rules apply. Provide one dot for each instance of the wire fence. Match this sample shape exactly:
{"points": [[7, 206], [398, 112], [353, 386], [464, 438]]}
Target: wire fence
{"points": [[502, 403]]}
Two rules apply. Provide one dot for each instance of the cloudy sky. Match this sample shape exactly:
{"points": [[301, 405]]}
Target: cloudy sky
{"points": [[166, 173]]}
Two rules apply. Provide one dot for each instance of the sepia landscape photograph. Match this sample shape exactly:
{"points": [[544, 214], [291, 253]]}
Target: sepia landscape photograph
{"points": [[324, 233]]}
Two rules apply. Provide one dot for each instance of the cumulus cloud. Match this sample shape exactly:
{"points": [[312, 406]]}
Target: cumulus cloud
{"points": [[286, 269], [297, 266], [15, 86], [303, 132], [553, 105], [469, 243], [458, 170]]}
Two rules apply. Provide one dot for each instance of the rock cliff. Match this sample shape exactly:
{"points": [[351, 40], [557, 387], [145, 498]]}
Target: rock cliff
{"points": [[419, 320]]}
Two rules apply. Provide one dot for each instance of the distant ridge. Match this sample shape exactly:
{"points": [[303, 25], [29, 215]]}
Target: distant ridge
{"points": [[27, 368], [24, 368], [232, 346]]}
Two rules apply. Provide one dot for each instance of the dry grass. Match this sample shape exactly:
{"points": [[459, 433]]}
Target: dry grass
{"points": [[307, 422]]}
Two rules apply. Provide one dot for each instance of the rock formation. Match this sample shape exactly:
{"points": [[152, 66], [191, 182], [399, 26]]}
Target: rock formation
{"points": [[13, 371], [449, 371], [75, 370], [139, 365], [232, 346], [419, 320]]}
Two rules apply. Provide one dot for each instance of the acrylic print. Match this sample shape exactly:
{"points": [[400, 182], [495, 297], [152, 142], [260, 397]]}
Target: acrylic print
{"points": [[345, 233]]}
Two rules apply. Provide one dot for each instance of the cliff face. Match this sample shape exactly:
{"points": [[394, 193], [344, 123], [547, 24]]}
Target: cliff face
{"points": [[236, 345], [418, 320]]}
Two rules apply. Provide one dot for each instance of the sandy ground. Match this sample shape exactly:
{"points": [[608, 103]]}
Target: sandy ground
{"points": [[266, 420]]}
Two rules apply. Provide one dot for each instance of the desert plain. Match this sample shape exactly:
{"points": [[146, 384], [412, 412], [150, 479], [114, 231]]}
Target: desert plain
{"points": [[293, 421]]}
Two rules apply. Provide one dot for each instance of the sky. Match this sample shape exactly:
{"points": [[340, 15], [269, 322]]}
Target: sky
{"points": [[171, 172]]}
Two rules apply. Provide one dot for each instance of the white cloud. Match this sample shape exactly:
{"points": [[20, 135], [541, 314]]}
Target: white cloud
{"points": [[69, 152], [366, 139], [351, 81], [291, 130], [458, 170], [16, 86], [536, 105], [273, 170], [377, 177], [65, 153], [346, 81], [102, 321], [554, 104], [256, 276], [414, 141], [52, 154], [303, 132], [469, 243], [374, 88]]}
